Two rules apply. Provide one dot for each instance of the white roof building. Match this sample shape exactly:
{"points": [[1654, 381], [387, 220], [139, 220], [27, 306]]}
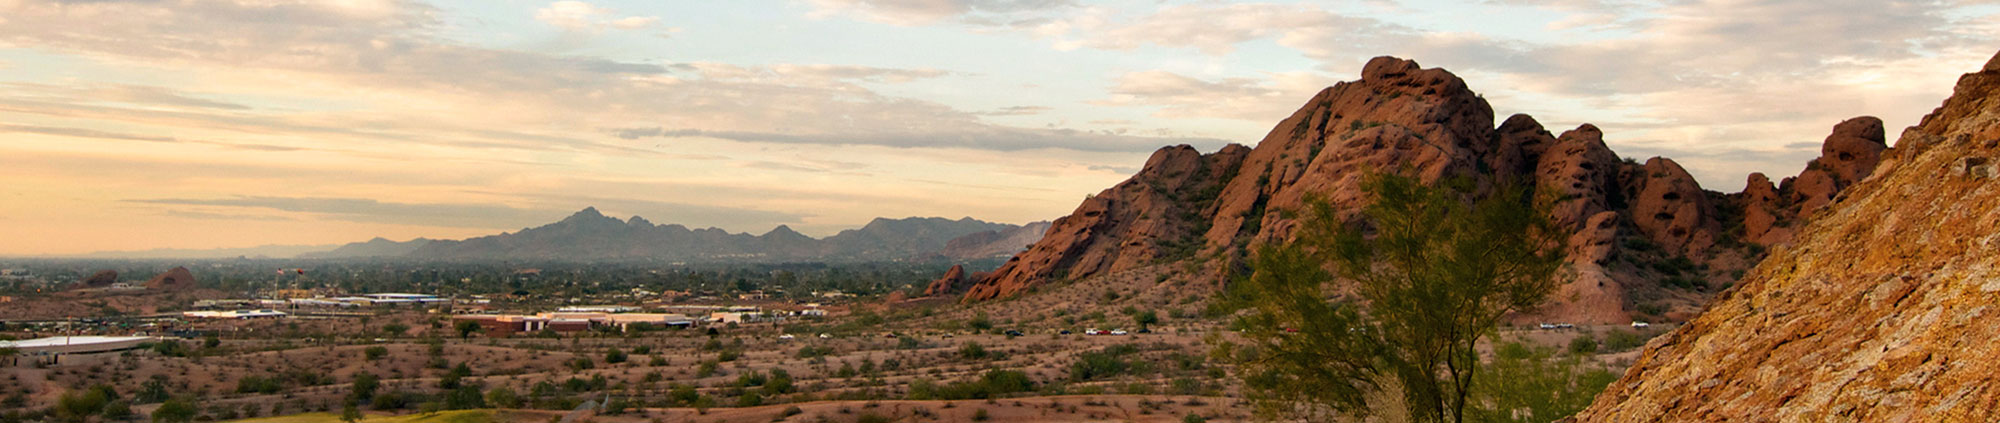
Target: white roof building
{"points": [[76, 344]]}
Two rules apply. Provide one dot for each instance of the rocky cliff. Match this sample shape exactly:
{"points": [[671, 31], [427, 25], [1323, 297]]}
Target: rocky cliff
{"points": [[1882, 310], [1646, 237]]}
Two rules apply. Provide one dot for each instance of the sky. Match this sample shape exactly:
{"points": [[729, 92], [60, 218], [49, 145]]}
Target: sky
{"points": [[139, 124]]}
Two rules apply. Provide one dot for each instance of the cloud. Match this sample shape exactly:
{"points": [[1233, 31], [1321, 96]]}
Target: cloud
{"points": [[544, 97], [465, 215], [1721, 74], [1016, 111], [920, 12], [196, 214], [989, 137], [580, 16], [83, 133], [1181, 96]]}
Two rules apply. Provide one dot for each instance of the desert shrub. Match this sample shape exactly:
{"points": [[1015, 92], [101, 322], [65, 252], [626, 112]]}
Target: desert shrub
{"points": [[1582, 345], [972, 351], [1620, 340]]}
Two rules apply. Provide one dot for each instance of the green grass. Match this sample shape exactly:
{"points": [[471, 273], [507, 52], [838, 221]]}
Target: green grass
{"points": [[458, 416]]}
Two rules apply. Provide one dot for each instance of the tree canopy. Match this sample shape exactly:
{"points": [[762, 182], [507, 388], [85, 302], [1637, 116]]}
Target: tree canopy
{"points": [[1424, 272]]}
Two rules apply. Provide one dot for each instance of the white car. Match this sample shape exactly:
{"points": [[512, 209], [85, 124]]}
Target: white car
{"points": [[1640, 325], [787, 337], [1093, 331], [1120, 332], [825, 336]]}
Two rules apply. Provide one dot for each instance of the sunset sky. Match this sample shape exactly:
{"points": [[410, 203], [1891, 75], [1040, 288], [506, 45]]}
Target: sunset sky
{"points": [[140, 124]]}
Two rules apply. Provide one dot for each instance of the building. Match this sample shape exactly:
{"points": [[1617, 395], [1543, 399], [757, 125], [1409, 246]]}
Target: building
{"points": [[236, 314], [500, 325], [58, 345], [598, 309]]}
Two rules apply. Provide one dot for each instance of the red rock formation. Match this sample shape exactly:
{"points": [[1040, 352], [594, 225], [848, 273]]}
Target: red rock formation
{"points": [[175, 279], [1881, 310], [1138, 222], [1400, 117], [102, 278], [951, 283], [1670, 208]]}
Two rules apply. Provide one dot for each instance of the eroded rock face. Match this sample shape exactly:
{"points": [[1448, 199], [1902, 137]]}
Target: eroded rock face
{"points": [[1150, 216], [951, 283], [1671, 208], [1882, 309], [175, 279], [1400, 117]]}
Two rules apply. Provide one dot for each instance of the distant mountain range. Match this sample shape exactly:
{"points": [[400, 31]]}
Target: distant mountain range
{"points": [[590, 235], [261, 251]]}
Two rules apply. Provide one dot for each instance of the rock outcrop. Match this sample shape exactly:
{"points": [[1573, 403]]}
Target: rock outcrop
{"points": [[1881, 310], [952, 282], [178, 278], [1626, 219], [102, 278]]}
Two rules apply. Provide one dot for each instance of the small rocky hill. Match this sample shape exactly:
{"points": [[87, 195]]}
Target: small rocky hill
{"points": [[1882, 310], [176, 279], [102, 278], [1648, 241]]}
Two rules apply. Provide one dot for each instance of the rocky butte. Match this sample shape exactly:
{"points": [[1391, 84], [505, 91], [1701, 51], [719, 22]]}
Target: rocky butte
{"points": [[1885, 308], [1647, 241]]}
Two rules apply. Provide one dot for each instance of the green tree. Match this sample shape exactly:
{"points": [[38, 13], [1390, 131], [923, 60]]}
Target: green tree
{"points": [[614, 356], [465, 328], [155, 389], [375, 352], [175, 410], [79, 406], [365, 384], [395, 329], [1526, 384], [1431, 274], [1146, 318], [350, 413], [780, 382], [117, 411], [466, 397], [503, 397]]}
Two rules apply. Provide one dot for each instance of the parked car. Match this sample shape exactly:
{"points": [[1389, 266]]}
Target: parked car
{"points": [[1145, 330], [1119, 332], [825, 336], [1640, 325], [1011, 332], [787, 337], [1093, 331], [1063, 332]]}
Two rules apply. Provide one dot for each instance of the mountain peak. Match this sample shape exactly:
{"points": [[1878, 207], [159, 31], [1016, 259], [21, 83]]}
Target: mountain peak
{"points": [[783, 230], [587, 212]]}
